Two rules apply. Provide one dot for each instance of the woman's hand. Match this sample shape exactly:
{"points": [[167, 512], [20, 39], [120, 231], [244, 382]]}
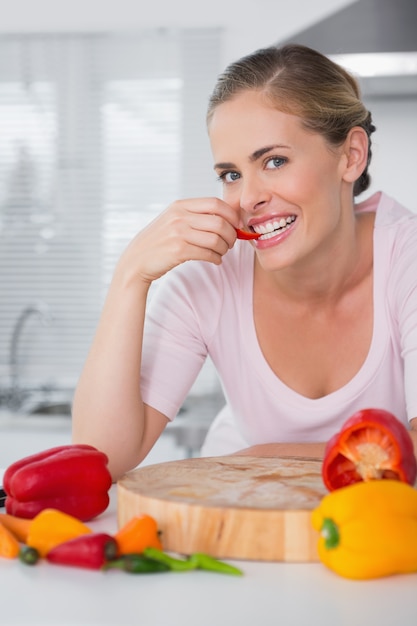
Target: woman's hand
{"points": [[201, 229]]}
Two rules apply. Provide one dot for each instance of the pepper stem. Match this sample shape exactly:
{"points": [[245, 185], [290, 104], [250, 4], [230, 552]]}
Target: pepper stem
{"points": [[330, 533]]}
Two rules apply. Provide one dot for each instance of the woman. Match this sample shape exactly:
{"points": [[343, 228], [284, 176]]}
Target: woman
{"points": [[315, 319]]}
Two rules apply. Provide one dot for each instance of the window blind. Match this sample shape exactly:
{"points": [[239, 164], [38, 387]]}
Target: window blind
{"points": [[98, 134]]}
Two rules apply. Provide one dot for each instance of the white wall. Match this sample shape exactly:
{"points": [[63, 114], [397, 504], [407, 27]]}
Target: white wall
{"points": [[248, 24], [394, 161]]}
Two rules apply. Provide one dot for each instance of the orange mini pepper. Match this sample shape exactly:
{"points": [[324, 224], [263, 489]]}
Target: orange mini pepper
{"points": [[137, 534]]}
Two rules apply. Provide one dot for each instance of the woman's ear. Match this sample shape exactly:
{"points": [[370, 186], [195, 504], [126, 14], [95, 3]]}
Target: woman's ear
{"points": [[356, 152]]}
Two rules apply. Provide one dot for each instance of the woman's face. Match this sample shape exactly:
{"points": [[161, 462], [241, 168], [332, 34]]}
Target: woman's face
{"points": [[286, 182]]}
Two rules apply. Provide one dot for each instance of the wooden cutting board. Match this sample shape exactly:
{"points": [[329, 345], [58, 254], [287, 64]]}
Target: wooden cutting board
{"points": [[235, 507]]}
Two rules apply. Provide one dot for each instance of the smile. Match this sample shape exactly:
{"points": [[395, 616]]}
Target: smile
{"points": [[271, 229]]}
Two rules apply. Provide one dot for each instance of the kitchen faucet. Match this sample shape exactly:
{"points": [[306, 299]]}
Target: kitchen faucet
{"points": [[41, 311]]}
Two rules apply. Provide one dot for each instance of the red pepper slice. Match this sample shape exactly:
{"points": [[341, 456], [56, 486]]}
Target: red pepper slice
{"points": [[246, 234], [372, 444]]}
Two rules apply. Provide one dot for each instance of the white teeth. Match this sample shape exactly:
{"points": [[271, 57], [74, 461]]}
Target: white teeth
{"points": [[269, 229]]}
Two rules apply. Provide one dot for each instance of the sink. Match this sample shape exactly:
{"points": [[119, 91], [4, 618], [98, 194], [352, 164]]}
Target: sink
{"points": [[44, 403], [190, 427], [54, 408]]}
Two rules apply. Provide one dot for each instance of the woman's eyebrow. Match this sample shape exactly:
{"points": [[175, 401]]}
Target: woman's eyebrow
{"points": [[223, 166], [253, 157], [260, 153]]}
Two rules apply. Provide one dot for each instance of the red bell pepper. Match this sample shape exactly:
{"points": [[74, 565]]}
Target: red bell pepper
{"points": [[73, 479], [90, 551], [372, 444]]}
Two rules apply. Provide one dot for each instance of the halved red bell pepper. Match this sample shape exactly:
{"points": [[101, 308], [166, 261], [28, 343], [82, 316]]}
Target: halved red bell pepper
{"points": [[372, 444]]}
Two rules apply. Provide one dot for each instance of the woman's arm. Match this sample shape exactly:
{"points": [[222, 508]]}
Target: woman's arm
{"points": [[108, 411], [310, 450], [306, 450]]}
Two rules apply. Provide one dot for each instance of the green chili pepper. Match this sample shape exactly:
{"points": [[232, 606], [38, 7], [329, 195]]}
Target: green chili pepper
{"points": [[136, 564], [176, 565], [198, 560], [206, 562]]}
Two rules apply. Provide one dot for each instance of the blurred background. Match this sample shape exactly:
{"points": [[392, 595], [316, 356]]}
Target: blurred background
{"points": [[102, 124]]}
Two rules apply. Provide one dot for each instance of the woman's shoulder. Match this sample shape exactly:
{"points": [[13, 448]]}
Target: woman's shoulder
{"points": [[389, 212], [395, 243]]}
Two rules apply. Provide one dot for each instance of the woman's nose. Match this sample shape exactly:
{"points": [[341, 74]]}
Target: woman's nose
{"points": [[253, 194]]}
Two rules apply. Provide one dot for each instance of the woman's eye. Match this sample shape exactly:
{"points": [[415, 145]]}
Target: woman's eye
{"points": [[275, 163], [229, 177]]}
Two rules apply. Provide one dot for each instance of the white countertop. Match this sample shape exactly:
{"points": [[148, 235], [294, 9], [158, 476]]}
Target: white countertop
{"points": [[269, 594]]}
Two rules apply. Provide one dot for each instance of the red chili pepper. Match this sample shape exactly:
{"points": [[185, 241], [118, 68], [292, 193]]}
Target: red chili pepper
{"points": [[90, 551], [372, 444], [74, 479], [245, 234]]}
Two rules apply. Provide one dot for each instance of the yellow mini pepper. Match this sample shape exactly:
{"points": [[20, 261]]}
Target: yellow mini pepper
{"points": [[52, 527], [369, 529]]}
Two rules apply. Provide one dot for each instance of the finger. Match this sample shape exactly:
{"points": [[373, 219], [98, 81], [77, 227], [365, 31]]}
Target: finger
{"points": [[202, 253], [209, 206], [216, 225], [209, 241]]}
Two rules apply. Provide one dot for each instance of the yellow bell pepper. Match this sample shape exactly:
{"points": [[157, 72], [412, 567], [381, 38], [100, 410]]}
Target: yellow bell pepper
{"points": [[368, 529]]}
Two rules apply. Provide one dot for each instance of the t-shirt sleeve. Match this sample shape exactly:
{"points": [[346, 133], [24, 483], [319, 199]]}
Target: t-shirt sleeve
{"points": [[181, 318]]}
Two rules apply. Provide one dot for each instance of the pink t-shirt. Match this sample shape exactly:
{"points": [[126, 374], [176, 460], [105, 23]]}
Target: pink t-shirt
{"points": [[201, 309]]}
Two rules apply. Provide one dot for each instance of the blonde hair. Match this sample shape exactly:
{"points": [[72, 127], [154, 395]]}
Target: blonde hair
{"points": [[302, 82]]}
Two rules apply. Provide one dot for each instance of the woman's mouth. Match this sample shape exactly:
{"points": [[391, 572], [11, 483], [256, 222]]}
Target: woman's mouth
{"points": [[273, 228]]}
